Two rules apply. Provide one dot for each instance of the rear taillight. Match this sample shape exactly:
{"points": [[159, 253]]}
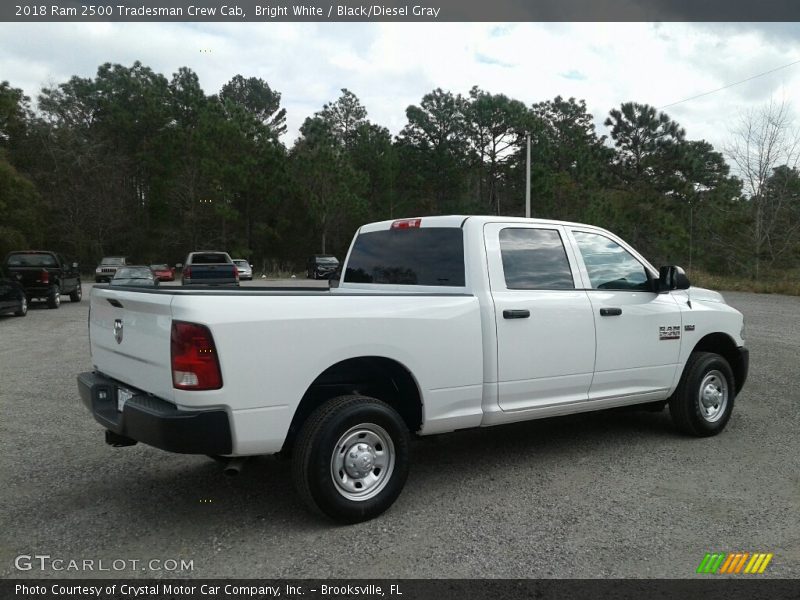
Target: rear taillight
{"points": [[187, 272], [195, 364], [236, 272], [45, 277], [406, 223]]}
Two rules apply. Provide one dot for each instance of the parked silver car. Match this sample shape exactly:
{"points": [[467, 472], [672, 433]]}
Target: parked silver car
{"points": [[245, 269]]}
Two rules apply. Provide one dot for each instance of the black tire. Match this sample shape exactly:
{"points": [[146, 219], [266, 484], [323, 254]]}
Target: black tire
{"points": [[54, 297], [383, 458], [23, 307], [76, 294], [703, 402]]}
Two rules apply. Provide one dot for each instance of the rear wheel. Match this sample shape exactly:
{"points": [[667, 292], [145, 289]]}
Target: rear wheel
{"points": [[350, 460], [703, 401], [23, 307], [54, 299], [76, 294]]}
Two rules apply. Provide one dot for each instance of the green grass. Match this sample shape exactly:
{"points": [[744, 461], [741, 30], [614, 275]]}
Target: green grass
{"points": [[784, 283]]}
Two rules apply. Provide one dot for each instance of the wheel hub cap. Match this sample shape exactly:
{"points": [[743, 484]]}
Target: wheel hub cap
{"points": [[362, 461], [713, 396]]}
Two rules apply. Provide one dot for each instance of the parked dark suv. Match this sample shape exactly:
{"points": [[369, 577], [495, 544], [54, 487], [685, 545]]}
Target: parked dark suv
{"points": [[322, 266], [46, 275]]}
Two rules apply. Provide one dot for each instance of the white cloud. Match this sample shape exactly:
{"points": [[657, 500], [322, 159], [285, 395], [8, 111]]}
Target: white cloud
{"points": [[392, 65]]}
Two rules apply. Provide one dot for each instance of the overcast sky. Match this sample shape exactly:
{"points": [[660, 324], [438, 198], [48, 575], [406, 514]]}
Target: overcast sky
{"points": [[391, 65]]}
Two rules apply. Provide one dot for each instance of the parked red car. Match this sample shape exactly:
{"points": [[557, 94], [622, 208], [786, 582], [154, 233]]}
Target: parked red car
{"points": [[163, 272]]}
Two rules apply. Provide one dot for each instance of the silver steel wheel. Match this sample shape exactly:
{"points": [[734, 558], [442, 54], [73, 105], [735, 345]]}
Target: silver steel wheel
{"points": [[713, 396], [362, 461], [23, 307]]}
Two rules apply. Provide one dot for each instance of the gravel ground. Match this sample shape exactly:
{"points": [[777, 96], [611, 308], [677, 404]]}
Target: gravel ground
{"points": [[612, 494]]}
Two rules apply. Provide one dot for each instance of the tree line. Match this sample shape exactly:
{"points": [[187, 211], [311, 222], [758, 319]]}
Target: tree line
{"points": [[133, 163]]}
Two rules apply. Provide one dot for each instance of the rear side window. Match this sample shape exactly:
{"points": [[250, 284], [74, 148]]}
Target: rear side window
{"points": [[414, 256], [534, 259], [209, 258]]}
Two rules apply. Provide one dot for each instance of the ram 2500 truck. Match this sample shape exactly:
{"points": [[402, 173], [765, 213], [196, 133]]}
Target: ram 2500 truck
{"points": [[438, 324]]}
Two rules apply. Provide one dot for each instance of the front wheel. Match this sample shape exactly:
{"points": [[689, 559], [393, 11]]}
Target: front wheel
{"points": [[54, 299], [703, 401], [76, 294], [350, 459]]}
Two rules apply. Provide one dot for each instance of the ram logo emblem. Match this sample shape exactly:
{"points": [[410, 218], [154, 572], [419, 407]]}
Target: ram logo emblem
{"points": [[118, 330], [669, 332]]}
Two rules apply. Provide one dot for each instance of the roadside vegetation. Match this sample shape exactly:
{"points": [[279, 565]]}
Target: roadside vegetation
{"points": [[773, 283], [132, 162]]}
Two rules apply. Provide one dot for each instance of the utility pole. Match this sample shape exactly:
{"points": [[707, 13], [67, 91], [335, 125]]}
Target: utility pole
{"points": [[528, 178]]}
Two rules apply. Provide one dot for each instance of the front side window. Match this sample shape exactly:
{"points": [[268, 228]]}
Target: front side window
{"points": [[609, 265], [534, 259]]}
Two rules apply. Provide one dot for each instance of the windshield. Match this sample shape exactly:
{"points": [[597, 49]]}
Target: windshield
{"points": [[241, 263], [31, 260], [159, 267], [328, 260], [113, 260]]}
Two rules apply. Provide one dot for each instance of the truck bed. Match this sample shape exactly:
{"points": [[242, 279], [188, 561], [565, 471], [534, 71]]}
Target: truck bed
{"points": [[273, 344]]}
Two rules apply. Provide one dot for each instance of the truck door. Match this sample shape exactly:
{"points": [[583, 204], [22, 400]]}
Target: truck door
{"points": [[638, 330], [69, 275], [545, 328]]}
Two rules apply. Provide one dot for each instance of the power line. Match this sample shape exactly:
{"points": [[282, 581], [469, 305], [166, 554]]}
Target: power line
{"points": [[725, 87]]}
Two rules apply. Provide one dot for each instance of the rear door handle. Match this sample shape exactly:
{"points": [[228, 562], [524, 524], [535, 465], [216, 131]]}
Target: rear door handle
{"points": [[516, 314], [610, 312]]}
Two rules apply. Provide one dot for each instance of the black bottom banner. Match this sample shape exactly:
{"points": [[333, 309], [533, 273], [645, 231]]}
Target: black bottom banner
{"points": [[399, 589]]}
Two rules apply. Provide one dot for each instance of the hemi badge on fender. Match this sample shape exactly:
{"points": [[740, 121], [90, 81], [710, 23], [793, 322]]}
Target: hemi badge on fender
{"points": [[689, 327], [669, 332]]}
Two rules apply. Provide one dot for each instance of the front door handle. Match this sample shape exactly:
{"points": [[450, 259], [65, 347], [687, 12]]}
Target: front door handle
{"points": [[516, 314], [610, 312]]}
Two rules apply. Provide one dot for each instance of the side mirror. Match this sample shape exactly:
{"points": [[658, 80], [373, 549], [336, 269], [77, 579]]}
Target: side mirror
{"points": [[74, 265], [672, 278]]}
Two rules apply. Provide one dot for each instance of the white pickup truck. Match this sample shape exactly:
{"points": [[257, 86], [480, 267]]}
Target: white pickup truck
{"points": [[437, 324]]}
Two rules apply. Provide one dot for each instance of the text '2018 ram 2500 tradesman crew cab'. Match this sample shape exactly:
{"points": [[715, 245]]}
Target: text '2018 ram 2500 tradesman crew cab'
{"points": [[438, 324]]}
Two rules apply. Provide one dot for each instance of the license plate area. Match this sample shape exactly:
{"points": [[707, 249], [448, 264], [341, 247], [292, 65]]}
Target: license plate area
{"points": [[123, 396]]}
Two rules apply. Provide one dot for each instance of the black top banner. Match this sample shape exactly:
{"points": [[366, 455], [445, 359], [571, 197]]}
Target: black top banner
{"points": [[413, 11]]}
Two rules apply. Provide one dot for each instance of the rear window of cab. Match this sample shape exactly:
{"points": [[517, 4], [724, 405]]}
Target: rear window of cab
{"points": [[428, 256]]}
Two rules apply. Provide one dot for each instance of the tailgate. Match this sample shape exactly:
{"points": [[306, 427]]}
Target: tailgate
{"points": [[129, 333], [30, 276], [212, 272]]}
